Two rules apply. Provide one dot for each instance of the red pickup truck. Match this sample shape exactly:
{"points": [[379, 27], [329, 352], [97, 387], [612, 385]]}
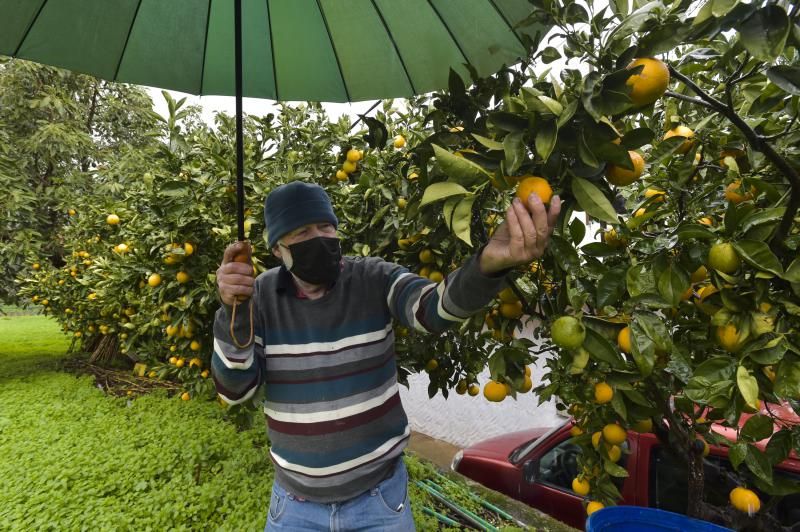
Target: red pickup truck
{"points": [[537, 467]]}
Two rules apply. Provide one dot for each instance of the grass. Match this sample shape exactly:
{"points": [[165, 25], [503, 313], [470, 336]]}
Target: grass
{"points": [[75, 458]]}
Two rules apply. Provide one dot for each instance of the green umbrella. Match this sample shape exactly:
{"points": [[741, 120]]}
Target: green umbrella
{"points": [[318, 50]]}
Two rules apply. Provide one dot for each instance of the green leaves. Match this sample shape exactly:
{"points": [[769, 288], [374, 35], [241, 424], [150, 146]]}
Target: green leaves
{"points": [[546, 136], [758, 255], [440, 191], [786, 77], [764, 33], [748, 387], [458, 168], [757, 428], [458, 215], [592, 200]]}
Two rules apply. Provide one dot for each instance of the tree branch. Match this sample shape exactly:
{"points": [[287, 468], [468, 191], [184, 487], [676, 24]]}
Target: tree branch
{"points": [[759, 143], [696, 101]]}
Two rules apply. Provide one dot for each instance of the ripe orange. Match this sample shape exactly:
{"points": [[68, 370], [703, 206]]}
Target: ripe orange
{"points": [[172, 330], [154, 280], [185, 396], [596, 439], [603, 393], [349, 167], [401, 202], [723, 257], [527, 385], [204, 374], [195, 345], [619, 176], [614, 434], [182, 277], [580, 486], [431, 365], [425, 271], [593, 506], [527, 371], [733, 192], [195, 362], [173, 360], [341, 175], [729, 337], [180, 362], [353, 155], [399, 141], [624, 340], [575, 431], [745, 500], [495, 391], [650, 83], [534, 185], [568, 332], [681, 131], [188, 248], [705, 220], [112, 219], [511, 311]]}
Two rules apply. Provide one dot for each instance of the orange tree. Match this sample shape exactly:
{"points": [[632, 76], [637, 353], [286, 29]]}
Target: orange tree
{"points": [[687, 310]]}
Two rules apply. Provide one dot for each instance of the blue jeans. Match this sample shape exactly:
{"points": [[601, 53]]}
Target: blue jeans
{"points": [[383, 508]]}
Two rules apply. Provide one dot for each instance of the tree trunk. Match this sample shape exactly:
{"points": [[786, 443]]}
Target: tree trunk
{"points": [[696, 481]]}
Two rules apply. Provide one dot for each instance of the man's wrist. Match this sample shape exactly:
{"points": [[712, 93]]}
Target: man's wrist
{"points": [[487, 269]]}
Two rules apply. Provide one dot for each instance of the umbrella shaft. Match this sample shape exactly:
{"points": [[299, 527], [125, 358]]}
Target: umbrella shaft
{"points": [[237, 16]]}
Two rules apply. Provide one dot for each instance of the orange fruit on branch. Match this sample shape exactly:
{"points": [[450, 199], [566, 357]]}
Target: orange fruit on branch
{"points": [[650, 84], [620, 176], [534, 185], [681, 131]]}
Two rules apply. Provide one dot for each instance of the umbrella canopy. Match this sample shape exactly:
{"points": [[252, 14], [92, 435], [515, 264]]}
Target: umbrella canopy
{"points": [[318, 50]]}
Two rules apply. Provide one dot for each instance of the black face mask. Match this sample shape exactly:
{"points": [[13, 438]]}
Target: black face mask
{"points": [[317, 260]]}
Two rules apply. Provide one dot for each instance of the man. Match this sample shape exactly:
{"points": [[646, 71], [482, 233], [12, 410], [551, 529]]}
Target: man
{"points": [[324, 350]]}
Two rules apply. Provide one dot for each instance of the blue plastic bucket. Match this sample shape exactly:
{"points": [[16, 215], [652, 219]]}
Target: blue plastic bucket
{"points": [[639, 519]]}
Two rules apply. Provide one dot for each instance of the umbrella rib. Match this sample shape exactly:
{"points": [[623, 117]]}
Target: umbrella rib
{"points": [[28, 29], [205, 49], [333, 47], [127, 38], [396, 48], [506, 21], [452, 37], [272, 51]]}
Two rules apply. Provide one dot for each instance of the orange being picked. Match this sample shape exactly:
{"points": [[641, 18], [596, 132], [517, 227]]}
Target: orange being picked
{"points": [[534, 185], [681, 131], [619, 176], [650, 84]]}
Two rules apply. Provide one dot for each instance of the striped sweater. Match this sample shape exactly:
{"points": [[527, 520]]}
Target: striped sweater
{"points": [[335, 421]]}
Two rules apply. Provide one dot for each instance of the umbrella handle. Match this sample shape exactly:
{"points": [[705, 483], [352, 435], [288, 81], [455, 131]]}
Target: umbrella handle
{"points": [[245, 257]]}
